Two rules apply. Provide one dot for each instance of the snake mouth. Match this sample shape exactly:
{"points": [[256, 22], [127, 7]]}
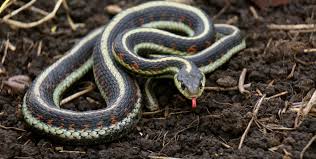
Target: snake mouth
{"points": [[193, 102], [193, 99]]}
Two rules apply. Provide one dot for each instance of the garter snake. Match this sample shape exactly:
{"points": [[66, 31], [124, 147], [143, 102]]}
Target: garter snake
{"points": [[139, 30]]}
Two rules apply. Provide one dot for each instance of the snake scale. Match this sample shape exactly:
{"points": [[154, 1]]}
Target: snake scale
{"points": [[154, 39]]}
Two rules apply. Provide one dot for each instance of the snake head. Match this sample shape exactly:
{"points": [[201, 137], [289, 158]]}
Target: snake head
{"points": [[190, 82]]}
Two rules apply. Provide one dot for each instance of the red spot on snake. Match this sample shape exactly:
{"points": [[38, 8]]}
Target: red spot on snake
{"points": [[120, 56], [100, 124], [208, 43], [151, 18], [40, 117], [61, 125], [173, 46], [182, 18], [192, 49], [86, 127], [135, 66], [190, 24], [50, 121], [126, 111], [113, 120], [141, 21], [163, 14], [71, 127]]}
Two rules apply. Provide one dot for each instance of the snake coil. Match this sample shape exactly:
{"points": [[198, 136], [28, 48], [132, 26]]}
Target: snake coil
{"points": [[147, 28]]}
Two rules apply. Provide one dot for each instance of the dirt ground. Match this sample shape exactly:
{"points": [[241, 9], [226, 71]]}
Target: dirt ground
{"points": [[215, 128]]}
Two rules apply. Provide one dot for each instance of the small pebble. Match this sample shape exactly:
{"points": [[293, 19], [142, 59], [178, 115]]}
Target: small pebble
{"points": [[113, 9], [18, 83]]}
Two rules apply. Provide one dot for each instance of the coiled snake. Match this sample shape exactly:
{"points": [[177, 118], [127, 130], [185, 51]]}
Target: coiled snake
{"points": [[134, 39]]}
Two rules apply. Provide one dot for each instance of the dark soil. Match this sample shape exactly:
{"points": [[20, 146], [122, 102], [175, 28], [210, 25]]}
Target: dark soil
{"points": [[215, 128]]}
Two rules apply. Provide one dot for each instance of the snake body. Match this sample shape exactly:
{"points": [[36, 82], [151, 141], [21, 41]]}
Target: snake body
{"points": [[137, 30]]}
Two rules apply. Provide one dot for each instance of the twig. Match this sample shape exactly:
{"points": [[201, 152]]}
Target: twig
{"points": [[226, 145], [61, 149], [181, 112], [5, 51], [73, 25], [254, 12], [309, 50], [78, 94], [35, 23], [7, 46], [277, 127], [254, 116], [4, 5], [17, 11], [287, 154], [307, 146], [12, 128], [157, 137], [291, 27], [68, 151], [277, 95], [270, 83], [11, 46], [232, 20], [32, 8], [91, 100], [273, 149], [267, 46], [226, 89], [227, 5], [301, 114], [28, 141], [164, 139], [303, 62], [292, 72], [152, 113], [259, 92], [283, 110], [39, 48], [310, 104], [303, 31], [241, 82], [312, 112]]}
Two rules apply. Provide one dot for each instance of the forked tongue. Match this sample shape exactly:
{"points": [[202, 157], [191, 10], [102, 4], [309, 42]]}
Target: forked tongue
{"points": [[193, 102]]}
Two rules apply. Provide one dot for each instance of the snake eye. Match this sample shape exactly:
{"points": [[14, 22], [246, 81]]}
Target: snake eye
{"points": [[201, 86]]}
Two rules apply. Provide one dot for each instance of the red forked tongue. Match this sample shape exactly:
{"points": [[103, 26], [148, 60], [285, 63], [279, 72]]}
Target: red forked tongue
{"points": [[193, 102]]}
